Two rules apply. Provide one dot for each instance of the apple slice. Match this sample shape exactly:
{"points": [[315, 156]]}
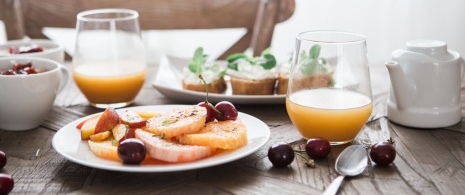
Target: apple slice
{"points": [[79, 126], [133, 119], [122, 132], [107, 121], [88, 127], [104, 149], [100, 136]]}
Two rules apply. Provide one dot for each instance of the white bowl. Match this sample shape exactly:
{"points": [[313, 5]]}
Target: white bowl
{"points": [[53, 51], [25, 100]]}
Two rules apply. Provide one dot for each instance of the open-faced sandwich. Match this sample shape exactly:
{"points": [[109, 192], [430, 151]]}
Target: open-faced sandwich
{"points": [[283, 77], [211, 73], [314, 72], [252, 75]]}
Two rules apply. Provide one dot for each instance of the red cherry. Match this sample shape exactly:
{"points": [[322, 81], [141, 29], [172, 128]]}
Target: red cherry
{"points": [[281, 154], [3, 159], [383, 153], [227, 111], [210, 111], [317, 148], [6, 183]]}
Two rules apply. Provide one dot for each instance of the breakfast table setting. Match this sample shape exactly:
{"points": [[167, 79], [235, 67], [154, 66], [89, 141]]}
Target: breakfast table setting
{"points": [[395, 128]]}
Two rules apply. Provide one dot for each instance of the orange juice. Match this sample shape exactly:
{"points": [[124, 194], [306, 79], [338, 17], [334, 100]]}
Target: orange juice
{"points": [[336, 115], [109, 84]]}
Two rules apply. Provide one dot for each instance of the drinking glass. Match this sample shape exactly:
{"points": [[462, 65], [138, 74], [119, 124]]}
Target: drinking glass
{"points": [[329, 92], [109, 62]]}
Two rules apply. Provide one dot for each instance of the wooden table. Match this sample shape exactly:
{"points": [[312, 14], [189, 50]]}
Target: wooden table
{"points": [[427, 162]]}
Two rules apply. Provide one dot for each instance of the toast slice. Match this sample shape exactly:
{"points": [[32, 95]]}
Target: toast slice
{"points": [[252, 87], [312, 81], [283, 82], [217, 86]]}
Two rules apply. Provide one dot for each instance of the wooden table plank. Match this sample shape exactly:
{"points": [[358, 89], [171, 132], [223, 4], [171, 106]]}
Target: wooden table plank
{"points": [[428, 161]]}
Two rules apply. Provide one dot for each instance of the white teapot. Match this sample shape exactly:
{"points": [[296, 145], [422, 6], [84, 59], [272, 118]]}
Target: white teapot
{"points": [[425, 85]]}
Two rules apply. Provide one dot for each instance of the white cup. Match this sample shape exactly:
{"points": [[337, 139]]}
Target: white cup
{"points": [[25, 100], [53, 51]]}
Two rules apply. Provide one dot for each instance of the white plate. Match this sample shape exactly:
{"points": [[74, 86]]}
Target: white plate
{"points": [[67, 142], [169, 78]]}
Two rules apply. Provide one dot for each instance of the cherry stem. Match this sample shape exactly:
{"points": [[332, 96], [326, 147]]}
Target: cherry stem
{"points": [[299, 151], [206, 98], [308, 162], [206, 87]]}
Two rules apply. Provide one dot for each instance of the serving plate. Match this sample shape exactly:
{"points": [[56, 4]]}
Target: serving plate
{"points": [[168, 81], [67, 142]]}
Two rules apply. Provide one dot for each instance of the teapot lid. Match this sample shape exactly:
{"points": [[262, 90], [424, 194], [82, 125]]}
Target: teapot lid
{"points": [[433, 48]]}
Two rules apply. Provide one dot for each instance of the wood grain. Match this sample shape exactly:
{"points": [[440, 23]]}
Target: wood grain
{"points": [[428, 161]]}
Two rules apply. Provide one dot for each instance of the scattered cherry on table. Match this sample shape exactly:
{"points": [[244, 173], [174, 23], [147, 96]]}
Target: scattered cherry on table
{"points": [[383, 153], [317, 148], [6, 183], [3, 159], [281, 154]]}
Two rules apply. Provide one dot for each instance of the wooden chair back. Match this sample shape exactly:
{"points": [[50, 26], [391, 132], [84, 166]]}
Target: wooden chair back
{"points": [[259, 17]]}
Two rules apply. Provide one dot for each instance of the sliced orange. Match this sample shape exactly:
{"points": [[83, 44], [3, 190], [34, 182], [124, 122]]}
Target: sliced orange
{"points": [[104, 149], [177, 122], [219, 134]]}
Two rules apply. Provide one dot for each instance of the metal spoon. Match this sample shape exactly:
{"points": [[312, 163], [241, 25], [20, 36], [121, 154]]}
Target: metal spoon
{"points": [[351, 162]]}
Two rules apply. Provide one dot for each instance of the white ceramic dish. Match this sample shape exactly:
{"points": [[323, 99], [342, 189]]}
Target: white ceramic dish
{"points": [[25, 100], [67, 142], [53, 51], [169, 78]]}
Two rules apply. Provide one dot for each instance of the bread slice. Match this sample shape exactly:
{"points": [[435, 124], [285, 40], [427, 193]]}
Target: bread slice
{"points": [[252, 87], [312, 81], [283, 82], [217, 86]]}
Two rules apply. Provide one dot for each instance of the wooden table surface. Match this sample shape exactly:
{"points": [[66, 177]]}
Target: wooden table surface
{"points": [[428, 161]]}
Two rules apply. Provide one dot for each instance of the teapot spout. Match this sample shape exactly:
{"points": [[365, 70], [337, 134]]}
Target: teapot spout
{"points": [[403, 88]]}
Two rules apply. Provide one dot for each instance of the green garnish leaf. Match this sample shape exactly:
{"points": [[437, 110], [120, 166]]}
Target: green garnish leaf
{"points": [[266, 60], [197, 62], [233, 66], [114, 142], [169, 121], [270, 61], [311, 63], [315, 52], [234, 57]]}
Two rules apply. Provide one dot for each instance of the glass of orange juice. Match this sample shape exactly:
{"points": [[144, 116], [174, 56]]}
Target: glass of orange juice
{"points": [[329, 91], [109, 61]]}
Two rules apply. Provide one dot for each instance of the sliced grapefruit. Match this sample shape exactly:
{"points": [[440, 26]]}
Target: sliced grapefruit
{"points": [[166, 150]]}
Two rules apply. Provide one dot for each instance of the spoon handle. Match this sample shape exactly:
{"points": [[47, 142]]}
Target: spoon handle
{"points": [[332, 189]]}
